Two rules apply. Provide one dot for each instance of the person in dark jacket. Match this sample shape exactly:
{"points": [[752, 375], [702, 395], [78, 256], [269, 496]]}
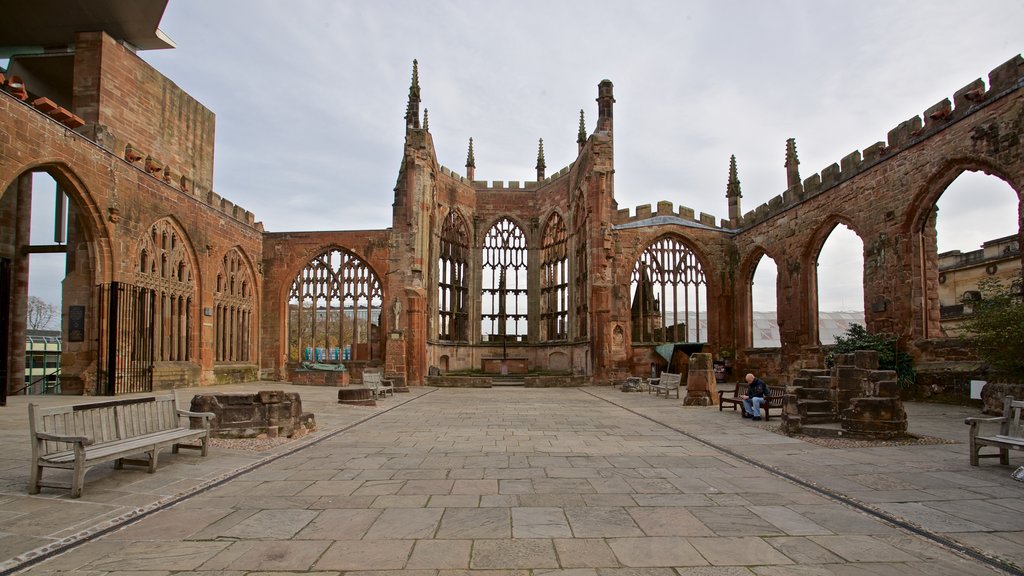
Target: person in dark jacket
{"points": [[754, 398]]}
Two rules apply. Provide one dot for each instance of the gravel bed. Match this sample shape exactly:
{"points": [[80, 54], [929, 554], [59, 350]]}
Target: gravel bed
{"points": [[909, 440]]}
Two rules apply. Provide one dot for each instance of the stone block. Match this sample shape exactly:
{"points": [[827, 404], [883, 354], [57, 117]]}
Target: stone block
{"points": [[1005, 76], [866, 359], [874, 152], [965, 97], [665, 208], [701, 386], [850, 163], [993, 393]]}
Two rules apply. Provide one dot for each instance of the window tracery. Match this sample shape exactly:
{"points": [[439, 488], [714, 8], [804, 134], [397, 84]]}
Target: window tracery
{"points": [[233, 310], [554, 281], [334, 310], [453, 285], [667, 288], [165, 267], [504, 283]]}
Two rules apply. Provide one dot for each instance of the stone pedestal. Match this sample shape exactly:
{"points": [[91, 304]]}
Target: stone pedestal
{"points": [[270, 412], [394, 361], [701, 388], [356, 396]]}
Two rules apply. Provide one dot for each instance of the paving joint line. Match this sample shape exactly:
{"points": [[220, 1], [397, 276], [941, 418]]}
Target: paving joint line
{"points": [[895, 521], [37, 555]]}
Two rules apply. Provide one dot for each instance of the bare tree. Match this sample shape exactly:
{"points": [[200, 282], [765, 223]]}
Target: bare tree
{"points": [[40, 313]]}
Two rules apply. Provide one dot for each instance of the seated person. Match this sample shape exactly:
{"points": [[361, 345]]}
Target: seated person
{"points": [[754, 398]]}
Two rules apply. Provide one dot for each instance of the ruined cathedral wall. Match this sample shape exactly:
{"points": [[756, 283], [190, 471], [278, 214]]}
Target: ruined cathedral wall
{"points": [[124, 100], [885, 194], [114, 204], [285, 254], [713, 249]]}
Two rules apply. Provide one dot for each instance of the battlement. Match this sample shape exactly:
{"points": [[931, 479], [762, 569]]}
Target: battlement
{"points": [[966, 101], [503, 185], [644, 212]]}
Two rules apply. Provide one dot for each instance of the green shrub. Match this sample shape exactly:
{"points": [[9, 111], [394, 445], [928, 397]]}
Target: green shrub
{"points": [[890, 357], [995, 328]]}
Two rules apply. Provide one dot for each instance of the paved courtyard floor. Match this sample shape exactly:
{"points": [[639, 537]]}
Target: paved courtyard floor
{"points": [[513, 481]]}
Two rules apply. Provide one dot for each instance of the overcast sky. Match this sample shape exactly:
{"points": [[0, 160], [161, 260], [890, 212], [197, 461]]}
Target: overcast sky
{"points": [[310, 95]]}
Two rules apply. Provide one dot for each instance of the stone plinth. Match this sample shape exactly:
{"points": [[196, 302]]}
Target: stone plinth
{"points": [[875, 418], [356, 396], [701, 388], [270, 412]]}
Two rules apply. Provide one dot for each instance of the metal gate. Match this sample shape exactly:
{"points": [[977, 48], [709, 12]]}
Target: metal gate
{"points": [[125, 348], [5, 327]]}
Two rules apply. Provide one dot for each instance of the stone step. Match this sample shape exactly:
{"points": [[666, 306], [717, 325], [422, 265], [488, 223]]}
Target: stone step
{"points": [[818, 417], [815, 394], [815, 405]]}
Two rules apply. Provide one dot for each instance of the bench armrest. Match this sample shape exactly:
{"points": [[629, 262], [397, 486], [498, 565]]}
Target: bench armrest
{"points": [[974, 421], [205, 416], [83, 440]]}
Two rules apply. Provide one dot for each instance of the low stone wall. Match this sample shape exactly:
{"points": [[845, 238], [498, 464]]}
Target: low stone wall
{"points": [[271, 412], [992, 395], [235, 373], [459, 381], [566, 381]]}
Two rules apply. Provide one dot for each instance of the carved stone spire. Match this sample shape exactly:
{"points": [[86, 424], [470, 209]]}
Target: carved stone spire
{"points": [[792, 164], [412, 110], [426, 120], [733, 192], [581, 136], [540, 161], [470, 163]]}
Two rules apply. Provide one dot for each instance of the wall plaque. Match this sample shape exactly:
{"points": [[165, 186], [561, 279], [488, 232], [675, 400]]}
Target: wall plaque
{"points": [[76, 323]]}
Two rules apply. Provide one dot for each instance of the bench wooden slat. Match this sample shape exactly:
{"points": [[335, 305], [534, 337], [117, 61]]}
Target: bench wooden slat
{"points": [[772, 401], [115, 428]]}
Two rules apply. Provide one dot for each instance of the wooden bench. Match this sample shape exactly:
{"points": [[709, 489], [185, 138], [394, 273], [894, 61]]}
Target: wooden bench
{"points": [[666, 383], [1010, 436], [772, 400], [78, 437]]}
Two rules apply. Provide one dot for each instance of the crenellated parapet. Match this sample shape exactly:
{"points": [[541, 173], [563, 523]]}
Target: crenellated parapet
{"points": [[966, 101], [502, 184], [666, 213]]}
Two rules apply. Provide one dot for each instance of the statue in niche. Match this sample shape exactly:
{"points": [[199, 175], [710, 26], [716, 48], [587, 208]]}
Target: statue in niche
{"points": [[396, 311]]}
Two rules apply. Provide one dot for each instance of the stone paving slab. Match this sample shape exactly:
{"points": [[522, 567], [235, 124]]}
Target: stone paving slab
{"points": [[523, 482]]}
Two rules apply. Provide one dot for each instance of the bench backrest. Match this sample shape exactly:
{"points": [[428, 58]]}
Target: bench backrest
{"points": [[670, 380], [1012, 425], [104, 421], [774, 396], [372, 380]]}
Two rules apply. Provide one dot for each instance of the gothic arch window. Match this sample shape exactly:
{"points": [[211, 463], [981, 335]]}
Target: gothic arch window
{"points": [[503, 305], [579, 288], [233, 310], [453, 284], [174, 288], [334, 310], [669, 294], [554, 280]]}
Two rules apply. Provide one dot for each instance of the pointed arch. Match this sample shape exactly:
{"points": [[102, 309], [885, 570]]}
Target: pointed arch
{"points": [[167, 266], [554, 280], [824, 329], [504, 284], [234, 300], [758, 306], [452, 279], [668, 292], [920, 222], [334, 309]]}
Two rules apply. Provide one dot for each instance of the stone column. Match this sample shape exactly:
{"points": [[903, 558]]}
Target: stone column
{"points": [[701, 388]]}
